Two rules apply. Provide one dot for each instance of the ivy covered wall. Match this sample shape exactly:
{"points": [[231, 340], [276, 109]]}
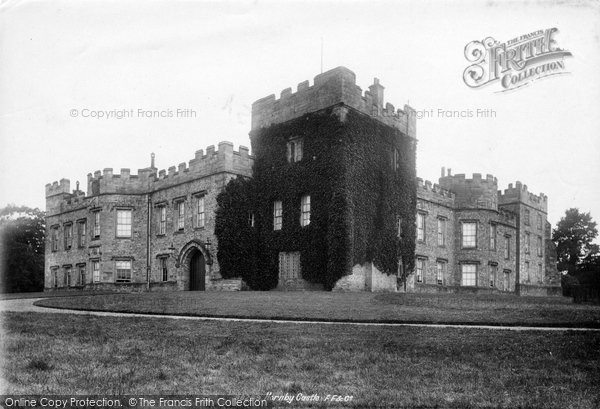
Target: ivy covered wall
{"points": [[358, 190]]}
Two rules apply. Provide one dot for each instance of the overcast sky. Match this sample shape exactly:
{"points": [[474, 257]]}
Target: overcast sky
{"points": [[217, 58]]}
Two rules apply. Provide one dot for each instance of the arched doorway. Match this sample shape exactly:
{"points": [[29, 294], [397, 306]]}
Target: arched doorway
{"points": [[195, 261], [197, 272]]}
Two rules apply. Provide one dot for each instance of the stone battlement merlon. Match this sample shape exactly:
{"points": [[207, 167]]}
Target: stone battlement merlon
{"points": [[222, 159], [57, 188], [476, 179], [433, 187], [519, 193], [330, 88]]}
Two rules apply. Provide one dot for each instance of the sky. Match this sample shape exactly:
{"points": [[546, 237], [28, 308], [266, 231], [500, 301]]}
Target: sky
{"points": [[62, 61]]}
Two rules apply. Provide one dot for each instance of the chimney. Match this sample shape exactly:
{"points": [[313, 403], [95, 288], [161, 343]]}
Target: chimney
{"points": [[152, 160], [377, 92]]}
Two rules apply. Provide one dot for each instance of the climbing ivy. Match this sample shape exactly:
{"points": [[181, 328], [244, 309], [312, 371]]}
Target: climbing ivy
{"points": [[357, 193]]}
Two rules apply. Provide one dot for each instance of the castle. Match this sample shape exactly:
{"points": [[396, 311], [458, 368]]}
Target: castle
{"points": [[337, 206]]}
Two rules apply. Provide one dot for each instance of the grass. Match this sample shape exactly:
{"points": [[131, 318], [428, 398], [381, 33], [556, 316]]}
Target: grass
{"points": [[378, 366], [366, 307]]}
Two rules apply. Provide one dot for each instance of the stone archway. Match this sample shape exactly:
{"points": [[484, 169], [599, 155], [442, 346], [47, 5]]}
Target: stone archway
{"points": [[194, 252]]}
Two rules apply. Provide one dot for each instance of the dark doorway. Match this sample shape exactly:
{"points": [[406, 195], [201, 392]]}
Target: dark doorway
{"points": [[197, 272]]}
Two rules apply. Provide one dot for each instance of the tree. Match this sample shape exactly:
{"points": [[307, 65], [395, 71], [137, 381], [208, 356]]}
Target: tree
{"points": [[574, 236], [22, 245]]}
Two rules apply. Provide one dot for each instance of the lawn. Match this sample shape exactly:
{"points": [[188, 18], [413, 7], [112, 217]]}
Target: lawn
{"points": [[378, 366], [365, 307]]}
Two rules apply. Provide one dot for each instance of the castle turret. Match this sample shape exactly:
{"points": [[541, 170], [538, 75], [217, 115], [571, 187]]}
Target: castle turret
{"points": [[474, 193]]}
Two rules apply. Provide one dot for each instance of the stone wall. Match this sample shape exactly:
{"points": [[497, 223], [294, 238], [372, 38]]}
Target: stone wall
{"points": [[206, 176]]}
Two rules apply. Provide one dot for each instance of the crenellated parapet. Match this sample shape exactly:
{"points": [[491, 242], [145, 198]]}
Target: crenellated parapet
{"points": [[519, 193], [434, 193], [330, 88], [224, 159], [474, 193]]}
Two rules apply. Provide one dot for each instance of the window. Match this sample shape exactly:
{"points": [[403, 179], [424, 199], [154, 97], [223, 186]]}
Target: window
{"points": [[493, 274], [540, 274], [469, 274], [539, 221], [469, 235], [96, 271], [277, 215], [493, 232], [164, 269], [399, 226], [441, 272], [250, 219], [420, 269], [506, 283], [180, 215], [506, 247], [54, 239], [395, 159], [162, 220], [539, 246], [527, 242], [526, 268], [294, 150], [68, 236], [421, 227], [81, 274], [81, 233], [96, 224], [441, 231], [526, 217], [200, 213], [54, 272], [123, 223], [67, 276], [305, 211], [123, 268]]}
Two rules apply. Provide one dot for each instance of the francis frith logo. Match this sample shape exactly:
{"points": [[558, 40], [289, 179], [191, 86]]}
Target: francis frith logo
{"points": [[514, 63]]}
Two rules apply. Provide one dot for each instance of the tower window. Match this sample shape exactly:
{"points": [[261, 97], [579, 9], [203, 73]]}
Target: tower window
{"points": [[82, 232], [96, 271], [441, 272], [124, 223], [162, 220], [96, 224], [469, 275], [421, 227], [164, 270], [493, 232], [123, 268], [469, 234], [200, 212], [441, 231], [277, 215], [68, 236], [420, 270], [305, 211], [180, 215], [294, 150]]}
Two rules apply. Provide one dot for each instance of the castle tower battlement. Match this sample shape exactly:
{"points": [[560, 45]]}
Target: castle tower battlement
{"points": [[330, 88], [519, 193], [223, 159], [474, 193], [435, 193]]}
